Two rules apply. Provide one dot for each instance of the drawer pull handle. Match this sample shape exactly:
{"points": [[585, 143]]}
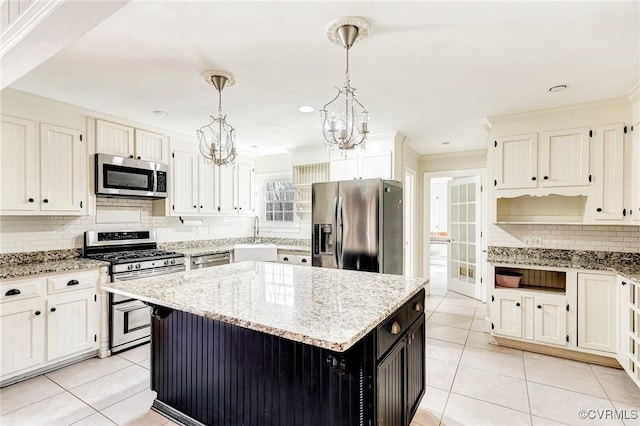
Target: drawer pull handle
{"points": [[395, 328], [286, 259], [53, 309], [73, 282], [417, 307], [12, 292], [304, 261]]}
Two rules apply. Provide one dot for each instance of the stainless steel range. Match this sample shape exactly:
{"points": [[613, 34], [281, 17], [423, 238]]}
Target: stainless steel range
{"points": [[132, 254]]}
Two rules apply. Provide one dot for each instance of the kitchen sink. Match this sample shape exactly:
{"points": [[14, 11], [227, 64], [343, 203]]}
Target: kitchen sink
{"points": [[264, 252]]}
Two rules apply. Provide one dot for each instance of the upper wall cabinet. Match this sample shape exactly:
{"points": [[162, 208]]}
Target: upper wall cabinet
{"points": [[44, 169], [560, 160], [607, 202], [377, 161], [125, 141]]}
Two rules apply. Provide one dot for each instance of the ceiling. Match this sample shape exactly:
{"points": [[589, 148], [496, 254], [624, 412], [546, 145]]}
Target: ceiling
{"points": [[430, 70]]}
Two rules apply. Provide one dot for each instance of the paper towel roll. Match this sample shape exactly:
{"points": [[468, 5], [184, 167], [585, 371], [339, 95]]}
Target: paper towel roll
{"points": [[191, 222]]}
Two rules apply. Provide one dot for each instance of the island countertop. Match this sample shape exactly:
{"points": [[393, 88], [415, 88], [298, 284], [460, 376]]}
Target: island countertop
{"points": [[323, 307]]}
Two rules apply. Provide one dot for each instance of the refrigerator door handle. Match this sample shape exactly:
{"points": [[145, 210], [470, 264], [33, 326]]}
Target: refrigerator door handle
{"points": [[335, 231], [340, 235]]}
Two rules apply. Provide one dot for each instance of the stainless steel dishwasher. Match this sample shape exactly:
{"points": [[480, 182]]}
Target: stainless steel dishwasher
{"points": [[207, 260]]}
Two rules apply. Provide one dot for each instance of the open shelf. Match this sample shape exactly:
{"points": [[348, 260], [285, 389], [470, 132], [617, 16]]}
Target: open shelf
{"points": [[304, 176], [547, 209], [537, 279]]}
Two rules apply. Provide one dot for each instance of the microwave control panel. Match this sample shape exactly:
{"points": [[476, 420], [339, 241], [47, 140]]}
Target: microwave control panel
{"points": [[162, 182]]}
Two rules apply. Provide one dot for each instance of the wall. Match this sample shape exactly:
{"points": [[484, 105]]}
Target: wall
{"points": [[34, 233], [439, 200]]}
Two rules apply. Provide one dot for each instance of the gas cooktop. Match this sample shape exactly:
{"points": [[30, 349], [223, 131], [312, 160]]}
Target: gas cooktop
{"points": [[117, 257]]}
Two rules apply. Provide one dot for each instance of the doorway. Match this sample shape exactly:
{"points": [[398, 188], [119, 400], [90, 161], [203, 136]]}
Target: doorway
{"points": [[456, 228]]}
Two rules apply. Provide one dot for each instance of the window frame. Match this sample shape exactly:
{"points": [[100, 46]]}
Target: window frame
{"points": [[262, 180]]}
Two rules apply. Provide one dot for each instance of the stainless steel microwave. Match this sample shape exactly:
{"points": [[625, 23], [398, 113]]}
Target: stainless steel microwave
{"points": [[130, 178]]}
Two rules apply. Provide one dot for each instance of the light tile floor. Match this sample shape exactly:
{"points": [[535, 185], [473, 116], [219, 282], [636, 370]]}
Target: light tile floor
{"points": [[469, 382]]}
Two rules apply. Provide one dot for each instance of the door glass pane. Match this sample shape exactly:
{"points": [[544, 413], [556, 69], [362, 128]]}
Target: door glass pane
{"points": [[462, 212], [472, 233], [454, 231], [454, 251], [463, 232], [471, 212], [454, 214], [471, 274], [454, 194], [463, 252], [471, 192], [471, 250], [454, 270], [463, 193]]}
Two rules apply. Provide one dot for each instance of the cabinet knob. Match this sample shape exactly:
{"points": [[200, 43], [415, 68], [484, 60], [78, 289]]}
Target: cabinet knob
{"points": [[46, 200], [539, 306], [195, 207], [546, 178], [303, 261], [533, 178], [73, 282], [53, 309], [37, 313], [286, 259], [517, 303], [395, 328], [12, 292], [624, 283], [131, 156], [599, 209], [418, 307], [240, 208], [200, 206], [138, 157], [31, 200]]}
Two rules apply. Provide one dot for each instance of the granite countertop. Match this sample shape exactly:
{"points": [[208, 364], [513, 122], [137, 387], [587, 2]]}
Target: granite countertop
{"points": [[625, 264], [34, 268], [323, 307], [205, 247]]}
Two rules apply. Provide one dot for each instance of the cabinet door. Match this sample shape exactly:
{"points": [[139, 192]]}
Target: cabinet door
{"points": [[245, 188], [597, 312], [506, 314], [22, 335], [207, 188], [564, 158], [391, 387], [516, 161], [343, 168], [415, 366], [63, 170], [114, 139], [19, 171], [624, 289], [376, 165], [72, 323], [151, 146], [608, 148], [226, 189], [635, 172], [185, 183], [550, 320]]}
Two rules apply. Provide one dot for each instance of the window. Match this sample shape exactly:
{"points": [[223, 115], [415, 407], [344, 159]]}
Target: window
{"points": [[278, 201]]}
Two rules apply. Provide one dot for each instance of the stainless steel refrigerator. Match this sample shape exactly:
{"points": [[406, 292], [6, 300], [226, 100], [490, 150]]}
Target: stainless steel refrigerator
{"points": [[357, 224]]}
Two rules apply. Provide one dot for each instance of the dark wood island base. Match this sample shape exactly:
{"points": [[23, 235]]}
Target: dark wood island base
{"points": [[215, 373]]}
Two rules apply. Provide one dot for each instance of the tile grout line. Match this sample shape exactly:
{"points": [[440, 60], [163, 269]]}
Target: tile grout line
{"points": [[40, 400], [130, 396], [96, 378]]}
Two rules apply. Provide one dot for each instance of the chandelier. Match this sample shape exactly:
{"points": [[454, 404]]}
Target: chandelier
{"points": [[218, 138], [344, 119]]}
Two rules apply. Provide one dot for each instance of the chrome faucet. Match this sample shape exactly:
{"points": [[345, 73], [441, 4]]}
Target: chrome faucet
{"points": [[256, 229]]}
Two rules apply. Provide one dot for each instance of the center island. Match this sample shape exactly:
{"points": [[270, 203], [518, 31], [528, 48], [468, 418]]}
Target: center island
{"points": [[257, 343]]}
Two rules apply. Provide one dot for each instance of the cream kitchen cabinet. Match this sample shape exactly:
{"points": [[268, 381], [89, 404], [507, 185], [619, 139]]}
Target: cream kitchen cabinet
{"points": [[597, 312], [530, 315], [361, 165], [608, 158], [126, 141], [559, 159], [625, 325], [43, 172], [46, 320], [632, 174], [193, 188], [295, 259], [235, 190]]}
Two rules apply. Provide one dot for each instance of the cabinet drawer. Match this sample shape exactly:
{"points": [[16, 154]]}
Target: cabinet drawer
{"points": [[286, 258], [71, 282], [390, 330], [20, 290], [415, 307]]}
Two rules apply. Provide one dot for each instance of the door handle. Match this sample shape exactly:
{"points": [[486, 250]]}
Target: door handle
{"points": [[336, 257], [340, 235]]}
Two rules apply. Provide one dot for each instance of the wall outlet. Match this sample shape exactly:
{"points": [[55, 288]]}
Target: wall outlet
{"points": [[533, 241]]}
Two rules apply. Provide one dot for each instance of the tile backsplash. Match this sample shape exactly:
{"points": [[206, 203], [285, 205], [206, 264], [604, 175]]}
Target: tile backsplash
{"points": [[37, 233], [568, 237]]}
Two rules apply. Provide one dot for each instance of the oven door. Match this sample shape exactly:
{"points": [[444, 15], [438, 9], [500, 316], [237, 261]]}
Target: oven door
{"points": [[131, 324]]}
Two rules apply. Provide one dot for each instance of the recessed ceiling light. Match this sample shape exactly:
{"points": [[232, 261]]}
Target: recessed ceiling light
{"points": [[160, 113], [446, 143], [306, 108], [558, 88]]}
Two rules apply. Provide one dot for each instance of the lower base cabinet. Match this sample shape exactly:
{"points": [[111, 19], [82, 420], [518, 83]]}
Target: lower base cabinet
{"points": [[597, 312], [46, 320], [530, 315]]}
